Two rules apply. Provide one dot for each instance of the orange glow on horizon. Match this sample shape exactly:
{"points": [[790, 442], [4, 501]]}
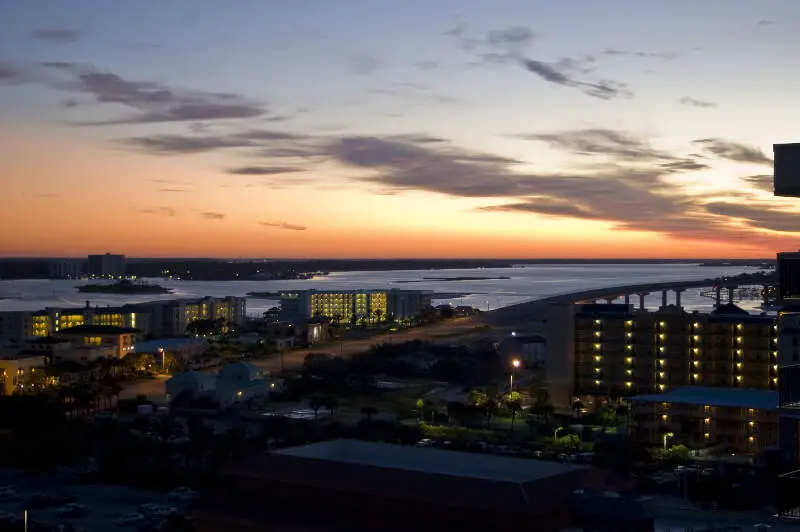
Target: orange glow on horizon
{"points": [[65, 196]]}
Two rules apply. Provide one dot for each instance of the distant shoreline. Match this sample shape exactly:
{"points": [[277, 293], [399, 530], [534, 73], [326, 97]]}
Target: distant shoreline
{"points": [[434, 295], [452, 279]]}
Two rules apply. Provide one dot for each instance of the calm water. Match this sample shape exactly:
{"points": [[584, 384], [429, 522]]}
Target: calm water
{"points": [[525, 283]]}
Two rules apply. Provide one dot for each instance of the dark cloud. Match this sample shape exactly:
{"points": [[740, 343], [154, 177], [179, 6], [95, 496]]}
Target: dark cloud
{"points": [[733, 151], [762, 217], [638, 199], [631, 53], [160, 211], [608, 142], [686, 100], [761, 182], [564, 73], [212, 215], [12, 74], [284, 225], [365, 65], [57, 35], [766, 23], [263, 170], [183, 144], [153, 102], [172, 190]]}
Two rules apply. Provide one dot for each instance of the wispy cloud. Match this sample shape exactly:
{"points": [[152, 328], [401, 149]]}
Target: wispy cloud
{"points": [[151, 102], [761, 182], [207, 215], [160, 211], [637, 53], [57, 35], [263, 170], [733, 151], [686, 100], [185, 144], [283, 225], [172, 190], [566, 75]]}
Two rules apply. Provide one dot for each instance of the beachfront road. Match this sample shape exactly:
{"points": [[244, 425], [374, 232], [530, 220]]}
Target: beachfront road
{"points": [[292, 360]]}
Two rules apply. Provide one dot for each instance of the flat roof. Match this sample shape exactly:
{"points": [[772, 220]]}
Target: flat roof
{"points": [[98, 329], [715, 396], [429, 460]]}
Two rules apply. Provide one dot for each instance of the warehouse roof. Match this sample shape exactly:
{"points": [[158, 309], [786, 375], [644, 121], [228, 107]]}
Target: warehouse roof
{"points": [[435, 461]]}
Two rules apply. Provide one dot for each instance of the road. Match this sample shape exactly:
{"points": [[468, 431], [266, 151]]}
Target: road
{"points": [[292, 360]]}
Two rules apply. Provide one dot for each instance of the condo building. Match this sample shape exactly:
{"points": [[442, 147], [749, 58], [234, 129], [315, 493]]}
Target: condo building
{"points": [[106, 266], [601, 350], [740, 420], [156, 318], [345, 306]]}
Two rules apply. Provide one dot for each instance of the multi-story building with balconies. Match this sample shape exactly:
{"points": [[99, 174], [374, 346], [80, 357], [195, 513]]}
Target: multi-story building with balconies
{"points": [[619, 351], [737, 419], [345, 306]]}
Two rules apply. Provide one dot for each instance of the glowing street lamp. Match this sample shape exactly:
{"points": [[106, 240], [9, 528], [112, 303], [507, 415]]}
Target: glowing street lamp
{"points": [[515, 364], [163, 357], [667, 436]]}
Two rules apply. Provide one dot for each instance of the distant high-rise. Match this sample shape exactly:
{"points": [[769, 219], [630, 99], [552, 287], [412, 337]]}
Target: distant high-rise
{"points": [[106, 266]]}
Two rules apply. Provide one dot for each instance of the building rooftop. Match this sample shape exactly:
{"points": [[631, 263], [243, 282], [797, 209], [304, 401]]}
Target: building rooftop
{"points": [[98, 329], [715, 396], [152, 346], [432, 461]]}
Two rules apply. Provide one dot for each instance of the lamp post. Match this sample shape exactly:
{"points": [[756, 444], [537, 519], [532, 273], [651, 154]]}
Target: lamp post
{"points": [[514, 365], [555, 433], [163, 358]]}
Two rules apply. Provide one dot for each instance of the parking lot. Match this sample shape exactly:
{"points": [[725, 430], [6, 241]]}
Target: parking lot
{"points": [[92, 508]]}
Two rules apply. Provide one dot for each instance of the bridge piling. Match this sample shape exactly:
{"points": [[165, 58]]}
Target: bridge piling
{"points": [[664, 297], [678, 297]]}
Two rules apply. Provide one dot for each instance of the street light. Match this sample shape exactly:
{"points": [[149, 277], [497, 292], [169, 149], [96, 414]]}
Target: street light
{"points": [[163, 357], [556, 431], [514, 366], [667, 435]]}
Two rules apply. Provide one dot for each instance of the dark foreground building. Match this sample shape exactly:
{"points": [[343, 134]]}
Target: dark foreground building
{"points": [[356, 485]]}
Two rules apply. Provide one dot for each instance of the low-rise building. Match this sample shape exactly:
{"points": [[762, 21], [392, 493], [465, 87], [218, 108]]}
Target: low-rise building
{"points": [[235, 383], [736, 419], [123, 339], [22, 373]]}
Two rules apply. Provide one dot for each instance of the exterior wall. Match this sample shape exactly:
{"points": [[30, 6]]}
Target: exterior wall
{"points": [[624, 351], [17, 374], [85, 354], [560, 369], [122, 343], [106, 265], [747, 430]]}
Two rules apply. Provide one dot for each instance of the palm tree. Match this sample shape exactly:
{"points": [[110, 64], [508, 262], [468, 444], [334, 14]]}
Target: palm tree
{"points": [[369, 411], [331, 403], [513, 402], [378, 313]]}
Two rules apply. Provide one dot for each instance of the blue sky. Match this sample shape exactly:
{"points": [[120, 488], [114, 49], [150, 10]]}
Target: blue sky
{"points": [[532, 83]]}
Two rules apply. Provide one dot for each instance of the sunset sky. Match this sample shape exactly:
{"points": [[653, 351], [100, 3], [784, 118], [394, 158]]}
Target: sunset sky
{"points": [[385, 128]]}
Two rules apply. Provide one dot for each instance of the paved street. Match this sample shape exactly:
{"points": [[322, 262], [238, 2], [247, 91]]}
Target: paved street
{"points": [[292, 360]]}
